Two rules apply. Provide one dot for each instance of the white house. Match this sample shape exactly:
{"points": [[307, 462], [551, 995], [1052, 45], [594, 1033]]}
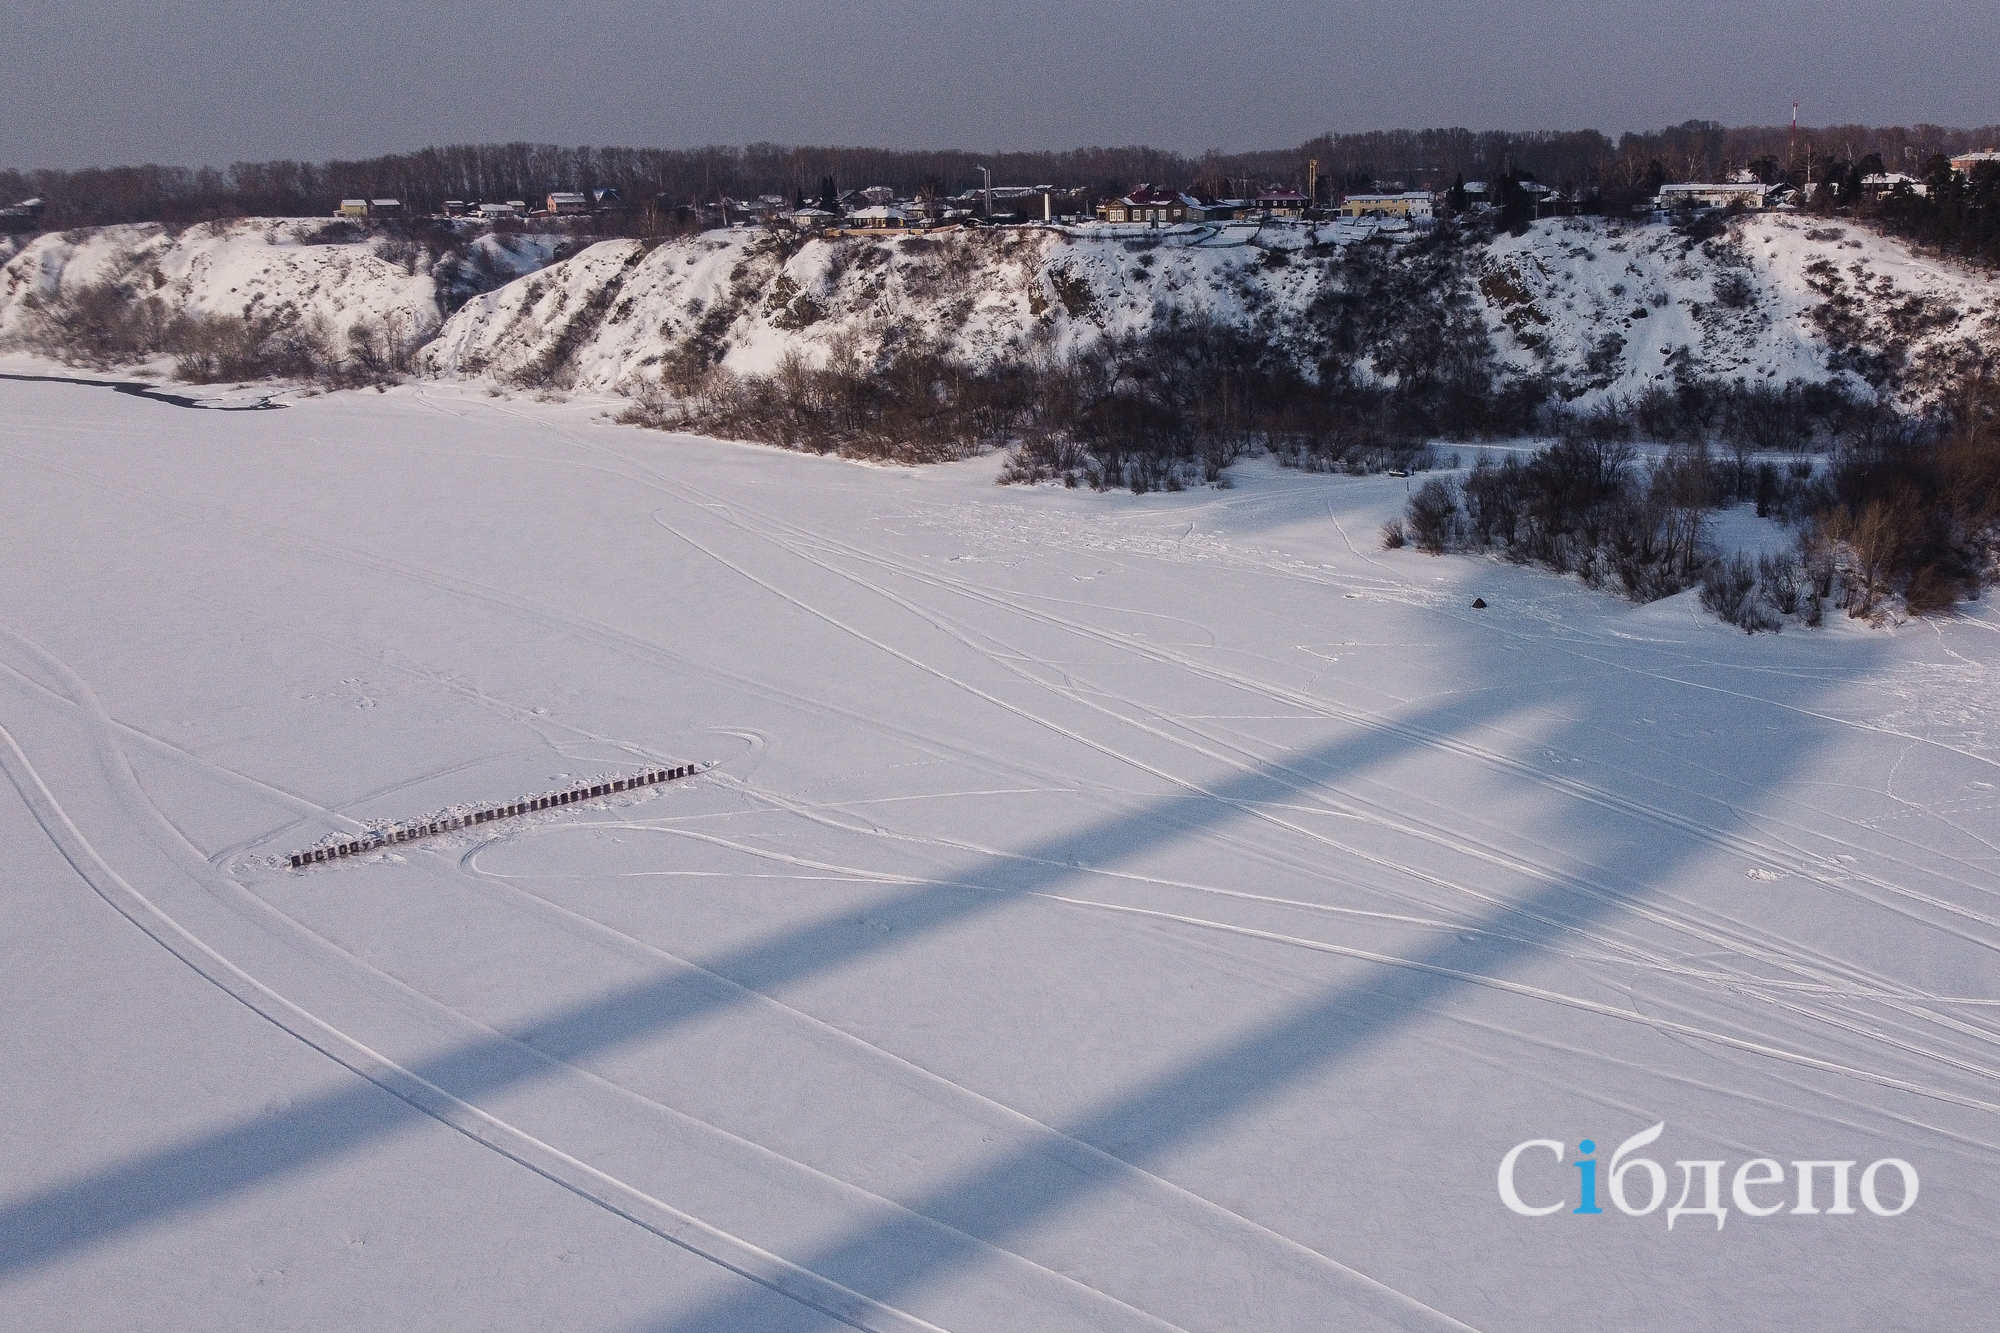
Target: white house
{"points": [[878, 217], [1751, 194], [1406, 204]]}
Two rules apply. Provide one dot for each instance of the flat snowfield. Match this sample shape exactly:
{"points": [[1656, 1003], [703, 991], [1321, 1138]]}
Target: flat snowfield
{"points": [[1104, 912]]}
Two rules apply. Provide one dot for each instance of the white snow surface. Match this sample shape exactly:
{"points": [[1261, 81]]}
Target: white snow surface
{"points": [[1107, 912]]}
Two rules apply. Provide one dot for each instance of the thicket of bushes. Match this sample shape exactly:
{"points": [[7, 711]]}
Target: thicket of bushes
{"points": [[1903, 513], [1916, 519], [108, 324], [1159, 411], [1732, 416], [1579, 506]]}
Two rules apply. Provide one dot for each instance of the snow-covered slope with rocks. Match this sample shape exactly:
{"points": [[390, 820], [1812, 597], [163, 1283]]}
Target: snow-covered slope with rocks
{"points": [[289, 269], [607, 319], [1600, 307], [1612, 307]]}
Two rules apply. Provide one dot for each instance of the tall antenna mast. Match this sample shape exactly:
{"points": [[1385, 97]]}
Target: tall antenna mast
{"points": [[1794, 156]]}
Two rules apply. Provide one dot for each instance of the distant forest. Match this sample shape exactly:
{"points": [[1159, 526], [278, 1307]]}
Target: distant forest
{"points": [[656, 182]]}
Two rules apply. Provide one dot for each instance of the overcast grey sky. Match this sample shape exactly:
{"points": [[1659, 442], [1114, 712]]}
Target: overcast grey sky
{"points": [[96, 82]]}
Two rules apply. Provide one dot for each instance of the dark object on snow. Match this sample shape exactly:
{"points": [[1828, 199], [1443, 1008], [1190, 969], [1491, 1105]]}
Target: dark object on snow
{"points": [[1479, 603], [141, 390], [383, 837]]}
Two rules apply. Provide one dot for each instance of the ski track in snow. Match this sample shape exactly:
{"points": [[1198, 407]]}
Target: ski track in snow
{"points": [[606, 1191], [1791, 955], [1769, 1000]]}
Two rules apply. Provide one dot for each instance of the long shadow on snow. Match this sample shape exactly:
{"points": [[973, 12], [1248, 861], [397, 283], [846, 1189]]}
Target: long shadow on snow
{"points": [[1142, 1125], [153, 393], [998, 1202]]}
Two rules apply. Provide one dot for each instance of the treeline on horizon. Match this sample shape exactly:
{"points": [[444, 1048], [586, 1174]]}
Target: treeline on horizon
{"points": [[656, 182]]}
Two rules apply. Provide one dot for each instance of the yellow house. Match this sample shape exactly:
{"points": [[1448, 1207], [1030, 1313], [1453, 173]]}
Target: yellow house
{"points": [[1409, 204]]}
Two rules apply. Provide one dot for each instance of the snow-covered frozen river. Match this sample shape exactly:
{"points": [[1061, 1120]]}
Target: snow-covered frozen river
{"points": [[1106, 912]]}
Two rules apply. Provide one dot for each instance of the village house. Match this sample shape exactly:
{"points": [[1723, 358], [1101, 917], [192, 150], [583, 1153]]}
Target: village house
{"points": [[1154, 207], [878, 217], [1405, 204], [1281, 201], [1965, 162], [567, 203], [1202, 207], [24, 216], [1891, 181], [1750, 194]]}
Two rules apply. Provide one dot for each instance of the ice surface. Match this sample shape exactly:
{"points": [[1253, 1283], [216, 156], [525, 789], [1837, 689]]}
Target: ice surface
{"points": [[1108, 912]]}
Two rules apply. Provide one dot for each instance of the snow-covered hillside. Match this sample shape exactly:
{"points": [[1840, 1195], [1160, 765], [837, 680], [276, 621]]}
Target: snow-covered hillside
{"points": [[286, 270], [1600, 307], [1106, 913], [607, 318], [1615, 307]]}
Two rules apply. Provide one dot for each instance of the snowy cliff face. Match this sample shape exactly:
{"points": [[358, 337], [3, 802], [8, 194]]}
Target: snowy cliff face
{"points": [[1599, 308], [612, 316], [288, 271], [1610, 309]]}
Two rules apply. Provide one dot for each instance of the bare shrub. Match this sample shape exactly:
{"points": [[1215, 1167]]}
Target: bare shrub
{"points": [[1778, 583], [1734, 290], [98, 325], [1433, 516], [1728, 588]]}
